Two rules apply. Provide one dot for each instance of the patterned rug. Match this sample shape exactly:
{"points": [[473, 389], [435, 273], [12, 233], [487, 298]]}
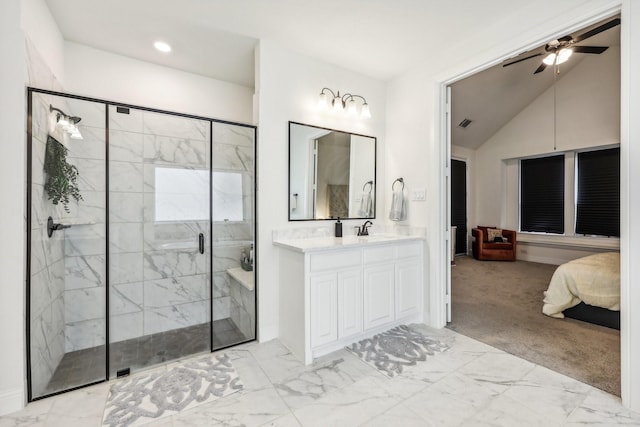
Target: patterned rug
{"points": [[147, 397], [391, 351]]}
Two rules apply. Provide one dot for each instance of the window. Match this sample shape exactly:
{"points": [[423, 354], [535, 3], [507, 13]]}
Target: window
{"points": [[598, 193], [181, 194], [542, 194], [228, 196]]}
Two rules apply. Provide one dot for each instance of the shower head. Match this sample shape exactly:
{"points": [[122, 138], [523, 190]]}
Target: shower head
{"points": [[67, 122]]}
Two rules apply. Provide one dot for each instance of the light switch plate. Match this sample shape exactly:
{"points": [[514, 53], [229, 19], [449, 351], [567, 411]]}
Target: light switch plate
{"points": [[419, 194]]}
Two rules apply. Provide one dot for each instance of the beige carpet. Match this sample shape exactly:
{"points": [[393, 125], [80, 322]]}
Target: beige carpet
{"points": [[500, 304]]}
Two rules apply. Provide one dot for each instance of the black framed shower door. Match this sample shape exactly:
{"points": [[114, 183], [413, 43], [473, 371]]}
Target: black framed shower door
{"points": [[141, 264]]}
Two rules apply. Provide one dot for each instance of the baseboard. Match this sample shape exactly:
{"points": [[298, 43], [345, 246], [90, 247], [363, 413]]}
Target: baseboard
{"points": [[11, 401], [538, 259]]}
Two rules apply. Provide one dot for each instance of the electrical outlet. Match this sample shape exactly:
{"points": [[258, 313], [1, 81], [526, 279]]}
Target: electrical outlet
{"points": [[419, 194]]}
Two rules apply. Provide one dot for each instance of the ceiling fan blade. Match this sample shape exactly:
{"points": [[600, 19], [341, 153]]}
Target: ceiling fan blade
{"points": [[597, 30], [540, 68], [589, 49], [521, 59]]}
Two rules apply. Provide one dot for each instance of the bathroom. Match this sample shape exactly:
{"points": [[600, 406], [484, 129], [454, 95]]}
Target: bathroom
{"points": [[99, 82]]}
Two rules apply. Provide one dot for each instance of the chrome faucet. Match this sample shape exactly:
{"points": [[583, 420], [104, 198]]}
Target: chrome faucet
{"points": [[364, 229]]}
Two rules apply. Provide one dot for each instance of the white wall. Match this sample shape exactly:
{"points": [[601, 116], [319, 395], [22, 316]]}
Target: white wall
{"points": [[287, 87], [103, 75], [39, 25], [12, 210]]}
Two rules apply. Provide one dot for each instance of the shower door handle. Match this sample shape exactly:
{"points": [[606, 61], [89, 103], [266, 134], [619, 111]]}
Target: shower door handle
{"points": [[201, 243]]}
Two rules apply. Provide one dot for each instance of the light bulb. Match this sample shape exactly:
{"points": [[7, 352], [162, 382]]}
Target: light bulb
{"points": [[323, 102], [162, 46], [76, 134], [62, 121], [351, 107], [366, 113], [549, 59], [337, 104], [564, 55]]}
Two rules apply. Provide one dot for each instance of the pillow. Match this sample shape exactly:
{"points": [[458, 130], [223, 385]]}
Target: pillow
{"points": [[492, 233]]}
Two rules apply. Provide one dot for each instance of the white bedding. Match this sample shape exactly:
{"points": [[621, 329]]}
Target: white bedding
{"points": [[594, 279]]}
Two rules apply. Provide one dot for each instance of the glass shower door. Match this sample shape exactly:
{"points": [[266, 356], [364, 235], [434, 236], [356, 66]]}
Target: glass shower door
{"points": [[67, 260], [160, 238]]}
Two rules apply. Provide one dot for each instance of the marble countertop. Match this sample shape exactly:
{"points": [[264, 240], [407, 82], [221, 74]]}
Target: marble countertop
{"points": [[328, 243]]}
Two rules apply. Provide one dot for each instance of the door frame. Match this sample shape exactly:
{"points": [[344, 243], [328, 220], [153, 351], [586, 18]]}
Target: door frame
{"points": [[441, 281]]}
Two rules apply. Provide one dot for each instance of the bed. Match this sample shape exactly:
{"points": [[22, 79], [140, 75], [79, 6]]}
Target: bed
{"points": [[588, 289]]}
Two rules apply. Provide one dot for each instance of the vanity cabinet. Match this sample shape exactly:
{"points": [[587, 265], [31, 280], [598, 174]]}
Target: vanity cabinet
{"points": [[332, 298], [379, 291]]}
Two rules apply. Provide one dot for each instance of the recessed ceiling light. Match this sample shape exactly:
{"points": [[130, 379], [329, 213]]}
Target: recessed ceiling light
{"points": [[162, 46]]}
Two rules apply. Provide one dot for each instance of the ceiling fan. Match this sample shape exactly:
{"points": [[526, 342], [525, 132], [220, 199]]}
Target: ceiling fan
{"points": [[558, 51]]}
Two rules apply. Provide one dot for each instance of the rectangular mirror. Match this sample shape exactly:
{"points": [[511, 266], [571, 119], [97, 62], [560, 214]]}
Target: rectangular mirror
{"points": [[332, 174]]}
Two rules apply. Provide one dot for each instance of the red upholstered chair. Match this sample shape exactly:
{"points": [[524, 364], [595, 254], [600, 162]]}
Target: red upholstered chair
{"points": [[486, 250]]}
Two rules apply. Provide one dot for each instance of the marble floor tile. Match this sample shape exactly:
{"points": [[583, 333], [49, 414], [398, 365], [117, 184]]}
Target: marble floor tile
{"points": [[288, 420], [252, 408], [471, 384], [324, 376], [602, 409], [399, 415], [349, 406], [551, 395], [506, 412]]}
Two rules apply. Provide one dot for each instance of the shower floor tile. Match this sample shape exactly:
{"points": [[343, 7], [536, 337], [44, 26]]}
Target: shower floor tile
{"points": [[87, 366]]}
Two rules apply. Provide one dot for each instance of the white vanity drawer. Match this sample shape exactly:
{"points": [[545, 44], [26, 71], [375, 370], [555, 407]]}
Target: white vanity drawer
{"points": [[379, 254], [335, 260], [408, 250]]}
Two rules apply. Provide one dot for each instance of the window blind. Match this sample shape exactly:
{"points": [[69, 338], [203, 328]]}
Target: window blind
{"points": [[598, 193], [542, 194]]}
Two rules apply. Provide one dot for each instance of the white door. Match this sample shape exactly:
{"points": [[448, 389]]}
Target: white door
{"points": [[324, 308], [349, 303], [378, 295], [407, 288]]}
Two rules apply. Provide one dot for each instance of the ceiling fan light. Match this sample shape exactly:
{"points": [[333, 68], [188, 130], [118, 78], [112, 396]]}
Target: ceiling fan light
{"points": [[564, 55], [549, 59]]}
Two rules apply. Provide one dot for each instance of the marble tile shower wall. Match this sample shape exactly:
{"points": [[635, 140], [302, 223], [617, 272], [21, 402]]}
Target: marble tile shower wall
{"points": [[159, 281], [47, 337], [85, 241], [233, 152], [47, 333]]}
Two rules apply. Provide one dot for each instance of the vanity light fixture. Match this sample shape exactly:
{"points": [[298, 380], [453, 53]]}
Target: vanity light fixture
{"points": [[162, 46], [346, 102], [67, 122]]}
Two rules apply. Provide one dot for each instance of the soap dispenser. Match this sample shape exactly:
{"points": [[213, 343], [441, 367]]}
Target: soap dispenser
{"points": [[338, 228]]}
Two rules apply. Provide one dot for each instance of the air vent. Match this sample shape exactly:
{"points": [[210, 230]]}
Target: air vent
{"points": [[122, 110], [464, 123], [123, 372]]}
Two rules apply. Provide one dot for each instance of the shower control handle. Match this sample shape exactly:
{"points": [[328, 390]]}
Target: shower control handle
{"points": [[201, 243], [52, 226]]}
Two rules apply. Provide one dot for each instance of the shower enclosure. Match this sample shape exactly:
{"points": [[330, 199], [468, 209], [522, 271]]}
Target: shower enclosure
{"points": [[138, 223]]}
